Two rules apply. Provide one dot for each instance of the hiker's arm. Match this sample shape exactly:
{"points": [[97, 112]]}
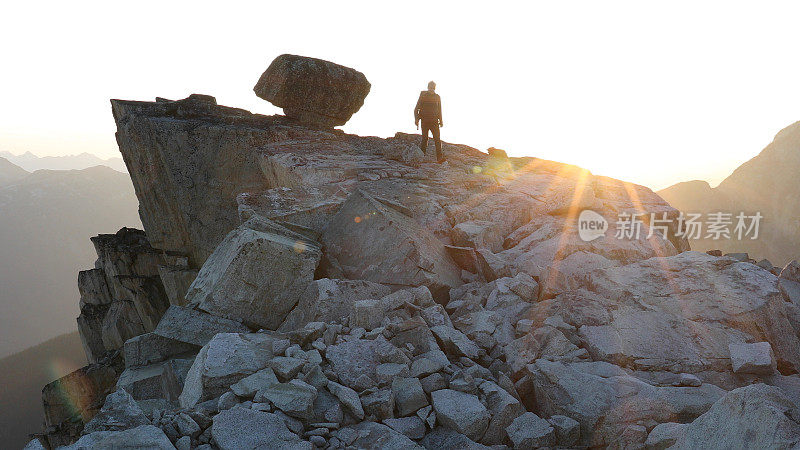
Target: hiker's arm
{"points": [[439, 111], [417, 108]]}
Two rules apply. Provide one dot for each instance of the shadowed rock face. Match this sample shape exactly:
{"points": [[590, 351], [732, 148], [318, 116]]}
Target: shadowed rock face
{"points": [[313, 91]]}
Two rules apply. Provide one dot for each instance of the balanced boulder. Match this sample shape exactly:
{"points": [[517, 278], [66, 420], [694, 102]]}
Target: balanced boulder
{"points": [[314, 91]]}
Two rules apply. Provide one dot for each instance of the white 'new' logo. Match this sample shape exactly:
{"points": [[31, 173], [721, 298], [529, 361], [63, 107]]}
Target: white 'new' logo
{"points": [[591, 225]]}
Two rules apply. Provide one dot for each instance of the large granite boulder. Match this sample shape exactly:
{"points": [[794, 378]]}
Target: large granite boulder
{"points": [[255, 276], [370, 241], [755, 416], [314, 91]]}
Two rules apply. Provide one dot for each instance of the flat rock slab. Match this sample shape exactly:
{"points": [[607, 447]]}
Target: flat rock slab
{"points": [[144, 436], [755, 416], [239, 428], [679, 313], [605, 400], [195, 327], [150, 348]]}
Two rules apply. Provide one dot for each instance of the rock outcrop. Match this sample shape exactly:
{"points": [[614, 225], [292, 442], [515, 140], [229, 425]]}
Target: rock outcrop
{"points": [[351, 293], [122, 297]]}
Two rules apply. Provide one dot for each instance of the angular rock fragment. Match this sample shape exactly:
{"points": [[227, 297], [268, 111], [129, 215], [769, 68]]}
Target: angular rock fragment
{"points": [[455, 342], [155, 385], [176, 281], [531, 431], [376, 435], [446, 438], [665, 435], [119, 412], [150, 348], [605, 400], [462, 412], [408, 395], [331, 301], [352, 359], [754, 358], [226, 359], [503, 407], [379, 404], [349, 399], [249, 385], [93, 287], [295, 398], [412, 426]]}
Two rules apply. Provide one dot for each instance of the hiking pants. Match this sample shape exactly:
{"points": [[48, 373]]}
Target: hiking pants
{"points": [[433, 126]]}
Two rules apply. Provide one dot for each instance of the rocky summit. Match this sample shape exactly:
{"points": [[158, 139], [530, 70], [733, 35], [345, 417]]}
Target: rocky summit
{"points": [[299, 287]]}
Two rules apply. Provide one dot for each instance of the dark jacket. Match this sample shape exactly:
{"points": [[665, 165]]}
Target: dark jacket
{"points": [[429, 107]]}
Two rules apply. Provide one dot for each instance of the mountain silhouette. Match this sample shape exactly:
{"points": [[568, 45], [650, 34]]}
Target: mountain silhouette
{"points": [[766, 184], [31, 162]]}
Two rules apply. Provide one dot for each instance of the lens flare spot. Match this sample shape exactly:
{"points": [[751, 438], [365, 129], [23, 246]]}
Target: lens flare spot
{"points": [[357, 219], [299, 246], [477, 169]]}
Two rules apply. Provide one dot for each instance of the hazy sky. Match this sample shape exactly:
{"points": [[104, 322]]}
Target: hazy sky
{"points": [[651, 92]]}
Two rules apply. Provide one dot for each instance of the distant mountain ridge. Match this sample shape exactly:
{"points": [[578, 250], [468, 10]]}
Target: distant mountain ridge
{"points": [[44, 220], [769, 184], [31, 162], [10, 172]]}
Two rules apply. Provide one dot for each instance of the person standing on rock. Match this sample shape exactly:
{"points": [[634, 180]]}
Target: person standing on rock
{"points": [[429, 110]]}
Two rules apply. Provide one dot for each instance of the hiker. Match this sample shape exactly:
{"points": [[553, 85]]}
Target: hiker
{"points": [[429, 110]]}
